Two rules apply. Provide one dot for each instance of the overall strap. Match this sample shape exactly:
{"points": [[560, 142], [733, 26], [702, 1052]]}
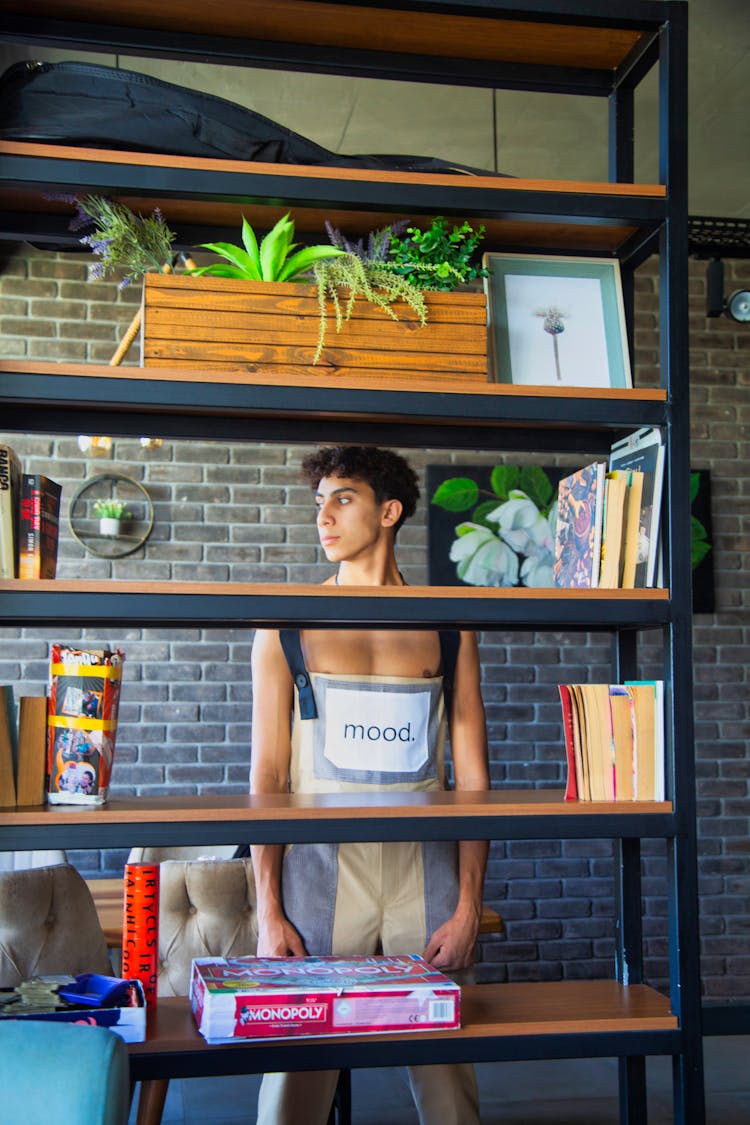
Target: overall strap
{"points": [[449, 642], [292, 648], [290, 643]]}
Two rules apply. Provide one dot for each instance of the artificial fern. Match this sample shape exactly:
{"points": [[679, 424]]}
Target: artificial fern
{"points": [[368, 279]]}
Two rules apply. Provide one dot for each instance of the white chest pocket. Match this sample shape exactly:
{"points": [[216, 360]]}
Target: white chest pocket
{"points": [[376, 733]]}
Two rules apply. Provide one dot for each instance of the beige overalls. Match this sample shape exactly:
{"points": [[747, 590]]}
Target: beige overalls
{"points": [[385, 734]]}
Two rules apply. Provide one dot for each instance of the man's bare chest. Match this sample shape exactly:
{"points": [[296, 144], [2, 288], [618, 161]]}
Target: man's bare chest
{"points": [[366, 652]]}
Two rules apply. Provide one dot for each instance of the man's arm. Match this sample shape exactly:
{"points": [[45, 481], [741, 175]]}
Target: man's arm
{"points": [[452, 946], [273, 695]]}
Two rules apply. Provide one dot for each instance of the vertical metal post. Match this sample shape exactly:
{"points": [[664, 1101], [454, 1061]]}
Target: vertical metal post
{"points": [[621, 169], [689, 1107], [629, 928]]}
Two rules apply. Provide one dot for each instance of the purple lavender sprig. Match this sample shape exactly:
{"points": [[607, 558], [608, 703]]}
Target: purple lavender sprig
{"points": [[378, 242], [120, 238]]}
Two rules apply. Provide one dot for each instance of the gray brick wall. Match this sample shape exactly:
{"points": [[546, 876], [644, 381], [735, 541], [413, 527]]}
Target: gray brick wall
{"points": [[239, 513]]}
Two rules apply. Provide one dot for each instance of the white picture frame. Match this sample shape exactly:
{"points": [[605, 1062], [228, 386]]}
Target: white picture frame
{"points": [[556, 321]]}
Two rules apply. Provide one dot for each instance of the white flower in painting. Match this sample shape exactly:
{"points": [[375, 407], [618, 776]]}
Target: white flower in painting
{"points": [[538, 571], [482, 559], [530, 534], [522, 525]]}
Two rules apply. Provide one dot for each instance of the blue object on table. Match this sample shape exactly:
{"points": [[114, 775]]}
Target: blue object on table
{"points": [[96, 991]]}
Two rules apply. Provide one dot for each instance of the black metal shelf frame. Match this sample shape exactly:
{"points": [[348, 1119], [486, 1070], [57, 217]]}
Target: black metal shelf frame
{"points": [[403, 66], [60, 174], [372, 828], [134, 405], [312, 1054], [212, 610], [540, 427]]}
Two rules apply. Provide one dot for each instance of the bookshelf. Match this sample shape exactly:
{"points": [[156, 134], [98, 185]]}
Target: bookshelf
{"points": [[556, 46]]}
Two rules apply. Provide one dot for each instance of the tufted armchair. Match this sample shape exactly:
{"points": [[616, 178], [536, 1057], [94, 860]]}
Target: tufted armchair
{"points": [[48, 924], [206, 908]]}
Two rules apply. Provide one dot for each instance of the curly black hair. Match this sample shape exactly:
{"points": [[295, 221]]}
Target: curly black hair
{"points": [[388, 474]]}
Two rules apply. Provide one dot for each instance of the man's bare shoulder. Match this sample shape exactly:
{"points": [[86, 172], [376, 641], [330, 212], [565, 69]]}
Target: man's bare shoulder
{"points": [[267, 648]]}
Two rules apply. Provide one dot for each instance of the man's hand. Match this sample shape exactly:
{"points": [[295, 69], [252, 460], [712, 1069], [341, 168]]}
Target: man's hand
{"points": [[453, 945], [279, 939]]}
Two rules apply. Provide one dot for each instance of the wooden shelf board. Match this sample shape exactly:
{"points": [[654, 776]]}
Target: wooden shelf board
{"points": [[331, 806], [488, 1011], [308, 590], [205, 215], [315, 23], [295, 378], [323, 172], [503, 231]]}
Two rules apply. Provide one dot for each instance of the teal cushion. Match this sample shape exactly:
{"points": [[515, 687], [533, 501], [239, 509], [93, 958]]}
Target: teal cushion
{"points": [[62, 1073]]}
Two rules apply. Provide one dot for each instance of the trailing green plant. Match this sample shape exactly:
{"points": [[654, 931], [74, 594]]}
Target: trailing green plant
{"points": [[121, 239], [345, 278], [273, 260], [112, 510], [439, 257]]}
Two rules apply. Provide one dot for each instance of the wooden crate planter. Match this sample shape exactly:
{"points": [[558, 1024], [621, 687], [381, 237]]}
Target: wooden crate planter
{"points": [[272, 328]]}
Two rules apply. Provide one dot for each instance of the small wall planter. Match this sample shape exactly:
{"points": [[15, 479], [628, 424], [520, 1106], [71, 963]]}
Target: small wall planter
{"points": [[272, 327], [109, 526]]}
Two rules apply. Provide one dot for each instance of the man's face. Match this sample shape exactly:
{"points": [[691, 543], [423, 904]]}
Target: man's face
{"points": [[350, 520]]}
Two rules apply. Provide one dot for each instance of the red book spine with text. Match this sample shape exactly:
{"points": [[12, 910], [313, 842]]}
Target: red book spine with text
{"points": [[38, 526], [140, 931]]}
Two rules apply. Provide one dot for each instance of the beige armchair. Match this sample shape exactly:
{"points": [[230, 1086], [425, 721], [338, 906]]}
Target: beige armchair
{"points": [[48, 924], [206, 908]]}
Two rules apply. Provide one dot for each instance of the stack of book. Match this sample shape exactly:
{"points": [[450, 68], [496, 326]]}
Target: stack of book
{"points": [[29, 520], [608, 517], [614, 740]]}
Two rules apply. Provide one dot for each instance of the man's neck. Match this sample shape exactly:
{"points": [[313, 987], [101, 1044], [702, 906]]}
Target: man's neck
{"points": [[369, 573]]}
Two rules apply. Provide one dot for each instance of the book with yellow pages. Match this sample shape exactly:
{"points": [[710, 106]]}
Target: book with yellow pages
{"points": [[631, 519], [648, 724], [614, 740], [615, 496]]}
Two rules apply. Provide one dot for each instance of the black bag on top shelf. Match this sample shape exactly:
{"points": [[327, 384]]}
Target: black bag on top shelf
{"points": [[89, 106]]}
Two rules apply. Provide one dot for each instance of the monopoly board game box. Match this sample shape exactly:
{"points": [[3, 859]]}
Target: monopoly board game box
{"points": [[285, 997]]}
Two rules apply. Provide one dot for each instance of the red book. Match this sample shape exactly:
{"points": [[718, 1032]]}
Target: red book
{"points": [[571, 789], [38, 526], [140, 931]]}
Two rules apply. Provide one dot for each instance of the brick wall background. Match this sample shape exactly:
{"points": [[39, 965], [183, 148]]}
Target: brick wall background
{"points": [[238, 513]]}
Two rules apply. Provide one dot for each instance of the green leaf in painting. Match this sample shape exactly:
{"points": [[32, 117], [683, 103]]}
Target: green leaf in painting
{"points": [[480, 513], [695, 483], [699, 545], [502, 479], [456, 494], [536, 484]]}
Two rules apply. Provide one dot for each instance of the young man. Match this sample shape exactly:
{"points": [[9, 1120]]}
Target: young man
{"points": [[369, 714]]}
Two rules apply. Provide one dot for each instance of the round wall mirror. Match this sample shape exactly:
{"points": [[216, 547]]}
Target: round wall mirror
{"points": [[111, 515]]}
